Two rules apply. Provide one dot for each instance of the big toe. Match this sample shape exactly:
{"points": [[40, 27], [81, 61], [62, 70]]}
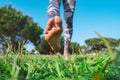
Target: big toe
{"points": [[58, 21]]}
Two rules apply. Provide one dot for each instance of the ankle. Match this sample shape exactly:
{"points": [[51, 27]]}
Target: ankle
{"points": [[66, 54]]}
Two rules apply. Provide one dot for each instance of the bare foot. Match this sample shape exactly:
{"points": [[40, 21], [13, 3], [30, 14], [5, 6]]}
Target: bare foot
{"points": [[53, 32]]}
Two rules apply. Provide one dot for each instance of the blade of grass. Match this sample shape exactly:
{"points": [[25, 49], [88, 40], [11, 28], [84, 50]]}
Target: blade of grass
{"points": [[112, 56]]}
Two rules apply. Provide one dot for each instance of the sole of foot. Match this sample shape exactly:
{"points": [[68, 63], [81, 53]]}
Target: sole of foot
{"points": [[53, 33]]}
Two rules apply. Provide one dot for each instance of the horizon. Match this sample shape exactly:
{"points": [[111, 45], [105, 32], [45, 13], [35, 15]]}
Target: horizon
{"points": [[102, 16]]}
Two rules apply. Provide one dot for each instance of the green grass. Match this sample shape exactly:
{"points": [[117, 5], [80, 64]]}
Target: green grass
{"points": [[103, 66], [51, 67]]}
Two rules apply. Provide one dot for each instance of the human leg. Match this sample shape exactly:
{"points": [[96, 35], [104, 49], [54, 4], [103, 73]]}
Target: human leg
{"points": [[69, 6], [54, 27], [53, 8]]}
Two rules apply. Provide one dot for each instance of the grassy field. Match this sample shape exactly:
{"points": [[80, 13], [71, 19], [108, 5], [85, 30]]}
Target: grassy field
{"points": [[53, 67]]}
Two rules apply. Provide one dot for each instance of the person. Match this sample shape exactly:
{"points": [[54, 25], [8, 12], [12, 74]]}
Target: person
{"points": [[54, 27]]}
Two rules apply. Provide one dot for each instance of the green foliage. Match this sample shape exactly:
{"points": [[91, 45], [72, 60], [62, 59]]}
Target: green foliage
{"points": [[98, 44], [14, 27], [74, 47]]}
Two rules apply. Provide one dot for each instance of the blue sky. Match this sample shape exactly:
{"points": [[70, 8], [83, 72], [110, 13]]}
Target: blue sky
{"points": [[100, 15]]}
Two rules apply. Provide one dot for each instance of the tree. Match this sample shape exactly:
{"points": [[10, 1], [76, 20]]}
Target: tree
{"points": [[74, 47], [119, 41], [98, 44], [84, 49], [112, 42], [14, 26], [95, 43]]}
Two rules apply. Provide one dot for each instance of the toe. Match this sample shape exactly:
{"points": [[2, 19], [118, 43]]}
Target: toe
{"points": [[58, 21]]}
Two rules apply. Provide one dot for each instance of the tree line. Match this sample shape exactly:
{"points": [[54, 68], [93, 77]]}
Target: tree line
{"points": [[14, 27], [17, 28]]}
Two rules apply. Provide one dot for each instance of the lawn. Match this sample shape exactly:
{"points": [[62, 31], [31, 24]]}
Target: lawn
{"points": [[53, 67]]}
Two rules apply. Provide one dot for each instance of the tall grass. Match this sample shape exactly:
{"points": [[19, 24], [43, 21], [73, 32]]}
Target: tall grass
{"points": [[17, 66], [36, 67]]}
